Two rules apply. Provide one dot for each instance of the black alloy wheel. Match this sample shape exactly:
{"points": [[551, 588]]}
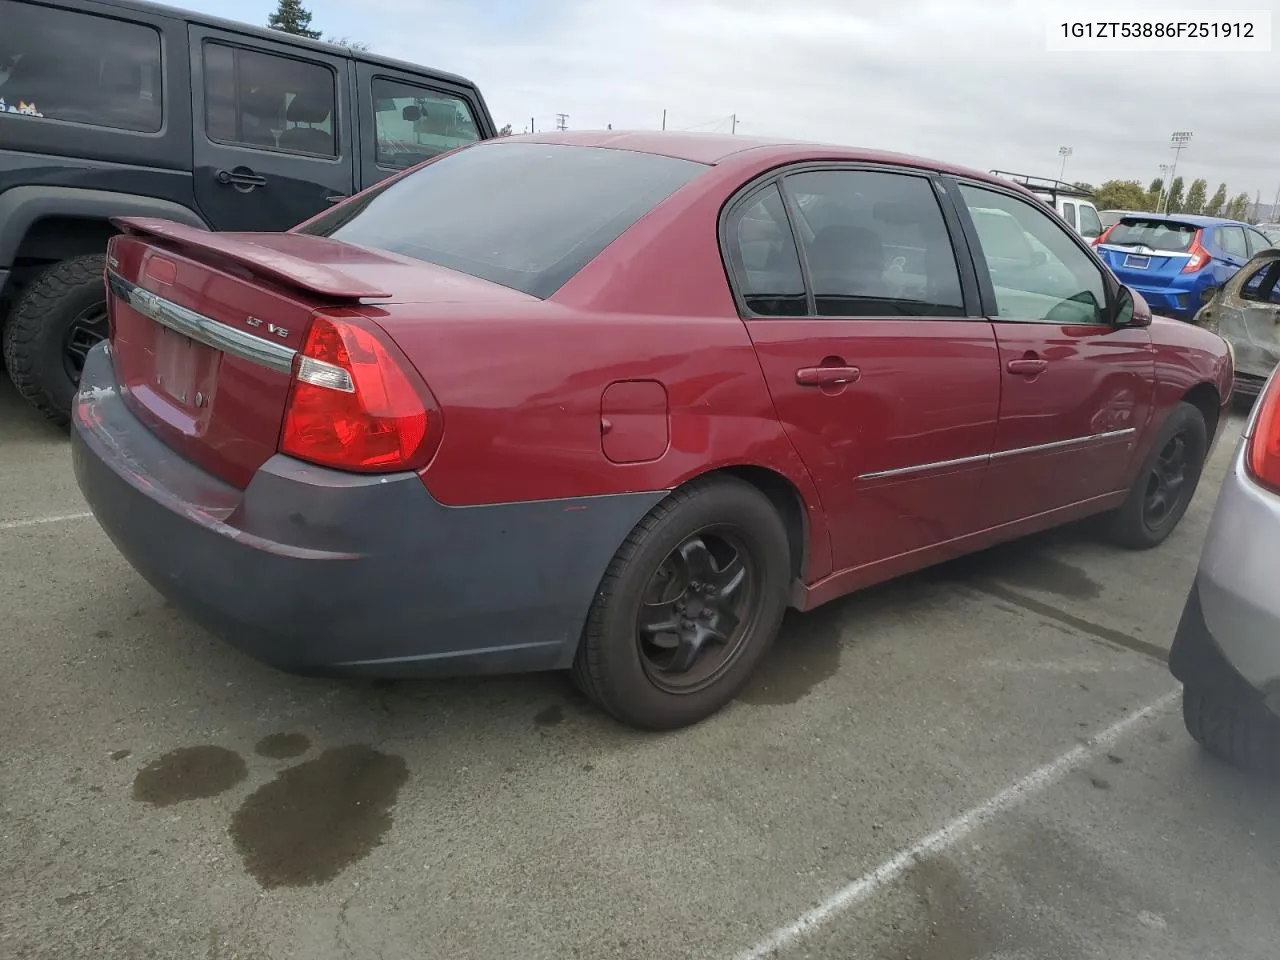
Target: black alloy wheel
{"points": [[86, 331]]}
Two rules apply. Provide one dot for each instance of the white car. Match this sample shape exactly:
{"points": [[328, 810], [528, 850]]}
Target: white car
{"points": [[1074, 205]]}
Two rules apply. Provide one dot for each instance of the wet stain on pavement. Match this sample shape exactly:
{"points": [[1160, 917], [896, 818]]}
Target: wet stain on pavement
{"points": [[1025, 564], [956, 927], [317, 818], [282, 746], [549, 716], [806, 653], [188, 773]]}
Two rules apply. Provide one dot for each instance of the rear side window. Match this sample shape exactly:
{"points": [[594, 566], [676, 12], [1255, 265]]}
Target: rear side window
{"points": [[525, 215], [1156, 234], [1069, 213], [875, 244], [257, 99], [1090, 225], [1231, 239], [415, 124], [64, 65], [766, 265]]}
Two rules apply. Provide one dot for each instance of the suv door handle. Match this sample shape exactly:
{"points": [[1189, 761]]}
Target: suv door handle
{"points": [[335, 198], [241, 177], [827, 376], [1027, 367]]}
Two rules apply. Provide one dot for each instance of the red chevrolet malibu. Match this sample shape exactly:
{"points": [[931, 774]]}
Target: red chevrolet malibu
{"points": [[612, 402]]}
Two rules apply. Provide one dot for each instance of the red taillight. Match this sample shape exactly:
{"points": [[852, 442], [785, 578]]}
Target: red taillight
{"points": [[1200, 257], [354, 406], [1263, 455]]}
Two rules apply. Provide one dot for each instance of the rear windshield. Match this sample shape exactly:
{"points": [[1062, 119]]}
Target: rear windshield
{"points": [[525, 215], [1156, 234]]}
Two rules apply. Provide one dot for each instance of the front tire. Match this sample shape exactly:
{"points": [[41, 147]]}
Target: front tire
{"points": [[1163, 487], [52, 326], [688, 606], [1244, 734]]}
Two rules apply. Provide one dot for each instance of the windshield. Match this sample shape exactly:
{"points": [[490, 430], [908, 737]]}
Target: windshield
{"points": [[1157, 234], [525, 215]]}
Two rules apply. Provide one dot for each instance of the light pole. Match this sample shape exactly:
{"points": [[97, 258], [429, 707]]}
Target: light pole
{"points": [[1164, 185], [1063, 152], [1178, 142]]}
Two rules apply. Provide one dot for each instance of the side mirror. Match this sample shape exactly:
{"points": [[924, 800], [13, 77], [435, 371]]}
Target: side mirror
{"points": [[1131, 309], [411, 113]]}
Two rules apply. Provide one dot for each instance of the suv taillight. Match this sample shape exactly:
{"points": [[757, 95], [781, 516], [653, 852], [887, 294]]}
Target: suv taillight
{"points": [[1263, 453], [355, 405], [1200, 257]]}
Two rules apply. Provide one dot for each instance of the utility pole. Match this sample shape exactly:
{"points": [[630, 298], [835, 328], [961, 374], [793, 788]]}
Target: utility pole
{"points": [[562, 121], [1178, 142], [734, 120], [664, 119], [531, 130], [1063, 152]]}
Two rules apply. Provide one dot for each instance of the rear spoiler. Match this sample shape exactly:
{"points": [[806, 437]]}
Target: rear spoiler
{"points": [[241, 248]]}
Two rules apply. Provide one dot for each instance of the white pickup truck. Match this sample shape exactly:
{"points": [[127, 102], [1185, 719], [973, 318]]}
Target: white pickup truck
{"points": [[1073, 204]]}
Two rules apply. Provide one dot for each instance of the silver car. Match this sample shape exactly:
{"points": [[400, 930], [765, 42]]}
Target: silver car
{"points": [[1245, 312], [1226, 651]]}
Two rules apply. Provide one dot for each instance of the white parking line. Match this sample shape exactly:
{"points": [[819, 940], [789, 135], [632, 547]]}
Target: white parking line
{"points": [[36, 521], [950, 834]]}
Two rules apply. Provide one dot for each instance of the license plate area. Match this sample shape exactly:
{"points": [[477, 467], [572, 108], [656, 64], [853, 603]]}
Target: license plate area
{"points": [[1136, 261], [186, 372]]}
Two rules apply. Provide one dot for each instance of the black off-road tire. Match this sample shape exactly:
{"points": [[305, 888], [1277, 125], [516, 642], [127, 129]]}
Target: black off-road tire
{"points": [[608, 667], [1243, 733], [37, 326], [1127, 526]]}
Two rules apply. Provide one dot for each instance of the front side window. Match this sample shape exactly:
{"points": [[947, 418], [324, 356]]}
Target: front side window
{"points": [[1045, 277], [876, 245], [1090, 225], [525, 215], [72, 66], [1231, 239], [766, 265], [1261, 287], [256, 99], [415, 124], [1257, 242]]}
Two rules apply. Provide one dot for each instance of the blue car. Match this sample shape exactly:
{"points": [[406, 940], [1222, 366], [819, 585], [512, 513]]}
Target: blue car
{"points": [[1177, 261]]}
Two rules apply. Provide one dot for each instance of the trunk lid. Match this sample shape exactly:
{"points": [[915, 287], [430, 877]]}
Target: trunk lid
{"points": [[205, 327]]}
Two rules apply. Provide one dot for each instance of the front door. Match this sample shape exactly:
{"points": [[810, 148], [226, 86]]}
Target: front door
{"points": [[1076, 389], [886, 386], [272, 131]]}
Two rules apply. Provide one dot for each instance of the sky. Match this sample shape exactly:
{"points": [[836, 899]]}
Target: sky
{"points": [[965, 81]]}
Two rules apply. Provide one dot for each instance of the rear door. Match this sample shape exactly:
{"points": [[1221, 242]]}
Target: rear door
{"points": [[404, 119], [1235, 249], [273, 132], [886, 385], [1075, 389]]}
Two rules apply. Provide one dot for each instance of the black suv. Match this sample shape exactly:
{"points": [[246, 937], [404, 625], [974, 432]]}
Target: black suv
{"points": [[122, 108]]}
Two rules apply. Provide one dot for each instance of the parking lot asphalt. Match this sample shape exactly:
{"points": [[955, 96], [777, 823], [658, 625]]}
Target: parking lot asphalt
{"points": [[984, 760]]}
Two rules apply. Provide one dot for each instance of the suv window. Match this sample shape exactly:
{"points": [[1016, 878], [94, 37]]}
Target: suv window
{"points": [[1069, 212], [1090, 225], [875, 245], [415, 124], [1057, 283], [525, 215], [1231, 239], [64, 65], [261, 100], [762, 250]]}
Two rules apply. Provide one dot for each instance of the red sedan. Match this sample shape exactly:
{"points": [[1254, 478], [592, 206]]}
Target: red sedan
{"points": [[611, 402]]}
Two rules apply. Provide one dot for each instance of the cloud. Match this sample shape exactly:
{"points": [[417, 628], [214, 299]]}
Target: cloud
{"points": [[967, 81]]}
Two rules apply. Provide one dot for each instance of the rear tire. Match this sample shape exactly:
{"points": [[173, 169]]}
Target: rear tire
{"points": [[66, 300], [1244, 734], [1173, 466], [635, 669]]}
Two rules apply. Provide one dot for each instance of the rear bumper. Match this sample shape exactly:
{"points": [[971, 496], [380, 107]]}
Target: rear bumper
{"points": [[1230, 630], [1180, 301], [318, 571]]}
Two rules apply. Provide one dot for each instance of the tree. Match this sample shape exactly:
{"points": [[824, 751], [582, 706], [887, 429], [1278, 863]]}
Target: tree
{"points": [[1157, 186], [1238, 206], [1174, 202], [357, 45], [292, 17], [1154, 193], [1120, 195], [1214, 207], [505, 131], [1195, 196]]}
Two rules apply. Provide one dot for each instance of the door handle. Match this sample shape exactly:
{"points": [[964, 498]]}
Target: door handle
{"points": [[1027, 367], [335, 198], [241, 177], [827, 376]]}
